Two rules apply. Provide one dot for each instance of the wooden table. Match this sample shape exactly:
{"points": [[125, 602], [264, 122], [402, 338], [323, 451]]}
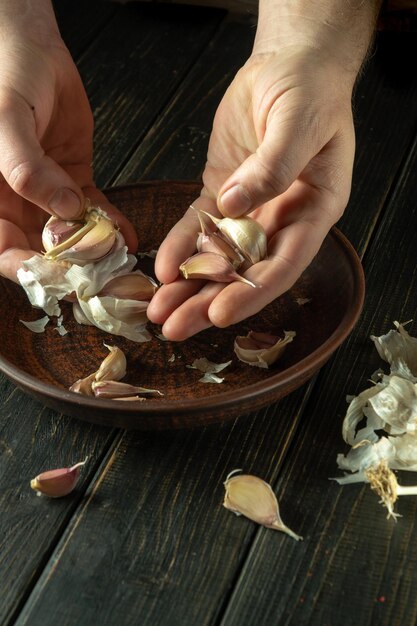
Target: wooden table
{"points": [[144, 540]]}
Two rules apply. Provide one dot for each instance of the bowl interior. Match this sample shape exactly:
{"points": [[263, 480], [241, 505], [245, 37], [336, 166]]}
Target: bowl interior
{"points": [[322, 308]]}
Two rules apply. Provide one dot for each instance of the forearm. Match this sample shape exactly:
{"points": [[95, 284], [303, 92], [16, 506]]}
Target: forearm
{"points": [[342, 29], [34, 18]]}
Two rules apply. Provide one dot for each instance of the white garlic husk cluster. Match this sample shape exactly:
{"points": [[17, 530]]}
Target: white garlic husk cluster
{"points": [[88, 262], [225, 246], [381, 422]]}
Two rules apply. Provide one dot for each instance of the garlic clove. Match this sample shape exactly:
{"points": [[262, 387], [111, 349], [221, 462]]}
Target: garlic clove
{"points": [[211, 266], [113, 366], [132, 286], [91, 242], [114, 389], [83, 385], [247, 235], [214, 242], [79, 315], [252, 497], [261, 349], [56, 231], [57, 483]]}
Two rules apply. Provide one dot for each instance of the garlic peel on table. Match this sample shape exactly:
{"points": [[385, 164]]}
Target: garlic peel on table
{"points": [[387, 416]]}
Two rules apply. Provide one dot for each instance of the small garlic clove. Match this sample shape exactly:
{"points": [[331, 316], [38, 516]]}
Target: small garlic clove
{"points": [[132, 286], [252, 497], [90, 243], [113, 389], [214, 242], [114, 365], [57, 483], [247, 235], [56, 231], [261, 349], [211, 266], [83, 385]]}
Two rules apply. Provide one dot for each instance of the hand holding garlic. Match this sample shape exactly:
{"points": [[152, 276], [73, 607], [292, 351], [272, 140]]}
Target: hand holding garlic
{"points": [[281, 151], [45, 134]]}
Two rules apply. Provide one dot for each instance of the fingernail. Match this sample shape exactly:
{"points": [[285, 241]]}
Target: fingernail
{"points": [[65, 203], [236, 201]]}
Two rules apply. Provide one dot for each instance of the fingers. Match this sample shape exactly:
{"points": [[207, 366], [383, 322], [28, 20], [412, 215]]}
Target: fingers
{"points": [[180, 243], [27, 169], [281, 157]]}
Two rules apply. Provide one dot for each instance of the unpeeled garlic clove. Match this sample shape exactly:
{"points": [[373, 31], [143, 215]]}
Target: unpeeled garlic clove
{"points": [[261, 349], [57, 483], [214, 242], [132, 286], [243, 233], [91, 242], [113, 367], [56, 231], [252, 497], [211, 266], [114, 390]]}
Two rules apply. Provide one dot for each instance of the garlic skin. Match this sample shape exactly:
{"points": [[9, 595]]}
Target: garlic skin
{"points": [[211, 266], [57, 483], [261, 349], [252, 497]]}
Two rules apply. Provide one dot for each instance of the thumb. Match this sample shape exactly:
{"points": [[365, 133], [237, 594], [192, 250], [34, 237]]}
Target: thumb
{"points": [[264, 175], [28, 170]]}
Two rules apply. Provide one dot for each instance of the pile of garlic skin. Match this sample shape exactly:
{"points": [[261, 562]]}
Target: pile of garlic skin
{"points": [[388, 407], [88, 262]]}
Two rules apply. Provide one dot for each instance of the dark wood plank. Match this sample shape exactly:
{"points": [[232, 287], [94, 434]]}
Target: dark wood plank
{"points": [[133, 69], [176, 145], [81, 22], [355, 567]]}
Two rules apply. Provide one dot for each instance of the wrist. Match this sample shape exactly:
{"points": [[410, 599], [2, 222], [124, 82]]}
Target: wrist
{"points": [[336, 30], [32, 19]]}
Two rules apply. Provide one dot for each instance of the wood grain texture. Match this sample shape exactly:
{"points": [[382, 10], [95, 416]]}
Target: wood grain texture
{"points": [[132, 70]]}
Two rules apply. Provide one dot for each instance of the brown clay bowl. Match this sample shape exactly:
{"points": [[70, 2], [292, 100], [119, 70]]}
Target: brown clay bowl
{"points": [[45, 365]]}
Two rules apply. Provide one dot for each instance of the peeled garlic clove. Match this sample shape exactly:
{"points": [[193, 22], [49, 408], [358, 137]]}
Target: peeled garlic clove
{"points": [[211, 266], [261, 349], [114, 365], [57, 231], [214, 242], [132, 286], [59, 482], [252, 497], [113, 389]]}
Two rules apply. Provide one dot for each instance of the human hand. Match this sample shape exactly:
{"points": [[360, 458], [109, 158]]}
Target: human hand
{"points": [[46, 130], [282, 149]]}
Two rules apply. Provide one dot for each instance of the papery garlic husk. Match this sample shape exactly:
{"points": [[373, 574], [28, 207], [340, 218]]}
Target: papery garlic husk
{"points": [[261, 349], [244, 233], [211, 266], [252, 497], [114, 390], [57, 483], [131, 286], [92, 241], [113, 367], [214, 242], [79, 316], [126, 318]]}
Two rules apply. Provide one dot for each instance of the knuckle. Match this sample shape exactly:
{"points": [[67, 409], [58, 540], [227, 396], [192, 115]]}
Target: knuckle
{"points": [[20, 177]]}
